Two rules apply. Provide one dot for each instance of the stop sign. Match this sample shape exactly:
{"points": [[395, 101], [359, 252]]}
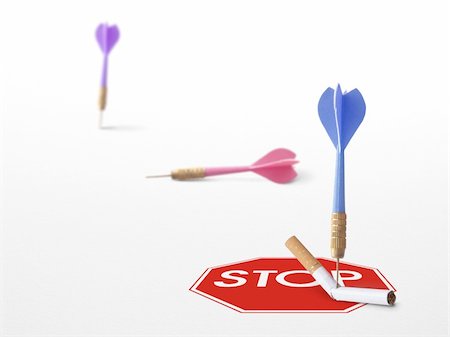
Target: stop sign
{"points": [[282, 285]]}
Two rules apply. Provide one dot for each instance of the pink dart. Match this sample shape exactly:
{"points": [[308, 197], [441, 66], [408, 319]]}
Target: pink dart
{"points": [[275, 166]]}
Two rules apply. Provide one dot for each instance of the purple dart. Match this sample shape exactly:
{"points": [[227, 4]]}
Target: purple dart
{"points": [[107, 36]]}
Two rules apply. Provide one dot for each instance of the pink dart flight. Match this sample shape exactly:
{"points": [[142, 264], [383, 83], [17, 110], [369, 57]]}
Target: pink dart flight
{"points": [[277, 166]]}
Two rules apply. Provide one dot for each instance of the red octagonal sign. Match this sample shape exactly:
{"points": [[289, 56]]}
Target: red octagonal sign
{"points": [[282, 285]]}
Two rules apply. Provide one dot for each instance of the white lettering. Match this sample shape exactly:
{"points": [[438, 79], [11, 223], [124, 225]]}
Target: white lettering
{"points": [[348, 275], [228, 276], [281, 279], [263, 277]]}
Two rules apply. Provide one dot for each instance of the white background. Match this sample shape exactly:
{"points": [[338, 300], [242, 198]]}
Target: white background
{"points": [[92, 248]]}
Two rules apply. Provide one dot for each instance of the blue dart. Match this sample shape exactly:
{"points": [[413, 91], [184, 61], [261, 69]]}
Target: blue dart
{"points": [[341, 114]]}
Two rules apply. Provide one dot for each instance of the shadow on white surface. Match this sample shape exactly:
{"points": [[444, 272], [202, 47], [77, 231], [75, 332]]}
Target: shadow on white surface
{"points": [[122, 128], [246, 179]]}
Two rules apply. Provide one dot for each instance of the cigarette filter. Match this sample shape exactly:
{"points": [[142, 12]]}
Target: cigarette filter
{"points": [[326, 281]]}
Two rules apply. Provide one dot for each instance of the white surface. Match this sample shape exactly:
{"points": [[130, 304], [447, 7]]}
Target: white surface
{"points": [[92, 248]]}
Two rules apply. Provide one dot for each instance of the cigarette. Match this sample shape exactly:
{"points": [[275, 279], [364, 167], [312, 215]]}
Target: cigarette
{"points": [[326, 281]]}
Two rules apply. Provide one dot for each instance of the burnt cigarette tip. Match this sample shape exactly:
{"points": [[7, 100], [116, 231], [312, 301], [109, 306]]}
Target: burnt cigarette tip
{"points": [[391, 298]]}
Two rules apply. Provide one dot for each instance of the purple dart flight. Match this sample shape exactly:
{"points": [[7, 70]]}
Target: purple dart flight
{"points": [[107, 36]]}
